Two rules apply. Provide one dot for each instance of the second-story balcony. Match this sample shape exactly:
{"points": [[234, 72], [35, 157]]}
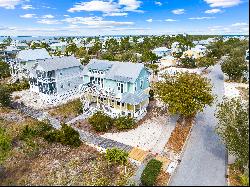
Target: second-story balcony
{"points": [[46, 79]]}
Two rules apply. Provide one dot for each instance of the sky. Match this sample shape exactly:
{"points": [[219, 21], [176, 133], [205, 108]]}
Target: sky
{"points": [[122, 17]]}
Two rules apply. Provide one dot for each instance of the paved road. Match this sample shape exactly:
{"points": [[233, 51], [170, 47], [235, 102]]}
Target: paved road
{"points": [[204, 160]]}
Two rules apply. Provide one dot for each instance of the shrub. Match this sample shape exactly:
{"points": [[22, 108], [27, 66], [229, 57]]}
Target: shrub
{"points": [[100, 121], [116, 156], [28, 132], [69, 136], [124, 122], [5, 98], [151, 172], [5, 144], [244, 180], [18, 86], [52, 136]]}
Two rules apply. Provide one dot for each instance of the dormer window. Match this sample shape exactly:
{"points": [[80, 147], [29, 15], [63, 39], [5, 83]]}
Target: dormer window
{"points": [[120, 87], [141, 84]]}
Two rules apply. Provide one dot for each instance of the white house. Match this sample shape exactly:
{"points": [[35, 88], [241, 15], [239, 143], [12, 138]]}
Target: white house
{"points": [[25, 60], [56, 79], [175, 47], [59, 46], [195, 52], [161, 51], [168, 61]]}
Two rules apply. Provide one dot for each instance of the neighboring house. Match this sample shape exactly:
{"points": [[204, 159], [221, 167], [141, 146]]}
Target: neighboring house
{"points": [[167, 61], [247, 55], [22, 46], [175, 47], [60, 46], [117, 88], [195, 52], [161, 51], [9, 54], [56, 79], [25, 60]]}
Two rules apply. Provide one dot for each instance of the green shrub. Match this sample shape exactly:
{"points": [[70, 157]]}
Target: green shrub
{"points": [[5, 144], [100, 121], [52, 136], [151, 172], [69, 136], [116, 156], [27, 132], [5, 98], [124, 122], [244, 180], [18, 86]]}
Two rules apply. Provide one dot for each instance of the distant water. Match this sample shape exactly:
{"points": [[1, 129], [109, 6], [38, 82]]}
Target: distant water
{"points": [[30, 38]]}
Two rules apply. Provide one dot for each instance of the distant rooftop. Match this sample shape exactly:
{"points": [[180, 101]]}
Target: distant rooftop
{"points": [[33, 54]]}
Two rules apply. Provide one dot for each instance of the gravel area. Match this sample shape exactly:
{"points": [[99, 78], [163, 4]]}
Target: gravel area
{"points": [[152, 135], [231, 90]]}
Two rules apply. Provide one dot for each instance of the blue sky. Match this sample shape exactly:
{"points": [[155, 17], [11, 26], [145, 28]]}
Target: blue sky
{"points": [[112, 17]]}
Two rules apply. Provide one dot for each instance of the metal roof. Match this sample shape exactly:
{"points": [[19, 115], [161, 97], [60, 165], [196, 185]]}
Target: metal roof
{"points": [[119, 71], [33, 54], [56, 63], [133, 99]]}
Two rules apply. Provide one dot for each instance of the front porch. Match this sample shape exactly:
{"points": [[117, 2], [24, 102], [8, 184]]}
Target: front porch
{"points": [[113, 107]]}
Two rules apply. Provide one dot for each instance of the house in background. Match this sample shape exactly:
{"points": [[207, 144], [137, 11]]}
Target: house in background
{"points": [[167, 61], [247, 55], [117, 88], [161, 51], [56, 79], [59, 46], [25, 60], [195, 52], [9, 54], [175, 47]]}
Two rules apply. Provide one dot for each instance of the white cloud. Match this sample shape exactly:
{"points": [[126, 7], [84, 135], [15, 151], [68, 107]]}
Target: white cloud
{"points": [[170, 20], [149, 20], [49, 21], [49, 16], [239, 24], [223, 3], [116, 14], [158, 3], [130, 5], [213, 11], [27, 7], [108, 7], [178, 11], [10, 4], [200, 18], [66, 15], [95, 22], [27, 15], [95, 5]]}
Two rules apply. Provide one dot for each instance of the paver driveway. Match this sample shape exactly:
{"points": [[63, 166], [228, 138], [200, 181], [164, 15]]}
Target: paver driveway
{"points": [[204, 160]]}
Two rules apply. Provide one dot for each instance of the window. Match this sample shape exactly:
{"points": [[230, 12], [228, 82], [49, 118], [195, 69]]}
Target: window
{"points": [[141, 84], [62, 86], [118, 103], [60, 73], [69, 84], [135, 87], [123, 104], [120, 87]]}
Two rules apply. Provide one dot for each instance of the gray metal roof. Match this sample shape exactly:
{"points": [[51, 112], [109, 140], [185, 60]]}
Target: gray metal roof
{"points": [[33, 54], [56, 63], [133, 99], [119, 71]]}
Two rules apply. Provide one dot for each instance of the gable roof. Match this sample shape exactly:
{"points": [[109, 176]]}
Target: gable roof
{"points": [[56, 63], [33, 54], [119, 71]]}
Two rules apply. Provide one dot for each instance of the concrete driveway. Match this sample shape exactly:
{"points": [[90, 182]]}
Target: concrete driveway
{"points": [[204, 160]]}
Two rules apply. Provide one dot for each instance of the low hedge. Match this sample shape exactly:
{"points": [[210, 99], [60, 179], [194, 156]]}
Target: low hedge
{"points": [[116, 156], [100, 121], [124, 122], [150, 173]]}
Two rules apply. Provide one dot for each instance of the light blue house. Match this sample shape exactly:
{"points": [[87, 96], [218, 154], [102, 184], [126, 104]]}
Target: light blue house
{"points": [[117, 88], [161, 51]]}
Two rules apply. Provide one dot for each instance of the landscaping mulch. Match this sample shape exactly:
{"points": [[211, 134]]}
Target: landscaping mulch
{"points": [[179, 135], [162, 179]]}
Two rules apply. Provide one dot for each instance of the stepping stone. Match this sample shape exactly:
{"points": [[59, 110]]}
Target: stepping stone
{"points": [[138, 154]]}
